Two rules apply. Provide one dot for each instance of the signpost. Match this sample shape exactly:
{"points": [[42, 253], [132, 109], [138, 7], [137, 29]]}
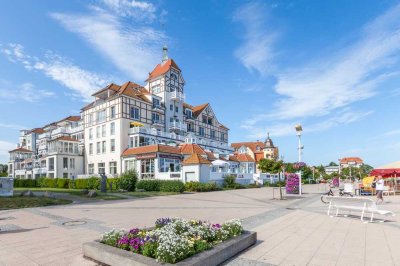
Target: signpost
{"points": [[6, 187]]}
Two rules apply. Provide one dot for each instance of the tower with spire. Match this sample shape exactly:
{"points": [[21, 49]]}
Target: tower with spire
{"points": [[270, 151]]}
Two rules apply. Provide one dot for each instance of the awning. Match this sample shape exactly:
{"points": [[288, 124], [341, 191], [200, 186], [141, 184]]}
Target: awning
{"points": [[136, 124], [219, 163]]}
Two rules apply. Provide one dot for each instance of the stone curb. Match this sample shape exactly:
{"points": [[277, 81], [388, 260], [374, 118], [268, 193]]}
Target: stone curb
{"points": [[108, 255]]}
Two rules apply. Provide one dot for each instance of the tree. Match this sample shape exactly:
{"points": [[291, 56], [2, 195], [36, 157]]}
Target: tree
{"points": [[270, 166], [333, 164], [365, 170]]}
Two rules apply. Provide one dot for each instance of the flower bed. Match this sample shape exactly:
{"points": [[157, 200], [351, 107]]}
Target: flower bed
{"points": [[173, 240]]}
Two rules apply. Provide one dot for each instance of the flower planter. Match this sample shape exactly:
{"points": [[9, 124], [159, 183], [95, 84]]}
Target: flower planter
{"points": [[113, 256]]}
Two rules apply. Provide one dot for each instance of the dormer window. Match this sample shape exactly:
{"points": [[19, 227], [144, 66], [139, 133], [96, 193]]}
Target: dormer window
{"points": [[258, 148], [156, 89], [174, 76]]}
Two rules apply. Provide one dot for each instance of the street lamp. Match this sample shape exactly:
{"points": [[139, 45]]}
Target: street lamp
{"points": [[300, 147]]}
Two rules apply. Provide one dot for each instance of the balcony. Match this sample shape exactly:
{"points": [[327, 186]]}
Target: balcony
{"points": [[158, 109], [158, 123], [60, 130], [178, 126], [44, 135], [189, 117], [176, 96], [155, 133], [75, 129]]}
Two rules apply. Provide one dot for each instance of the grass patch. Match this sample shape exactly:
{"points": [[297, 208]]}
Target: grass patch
{"points": [[18, 202], [43, 189]]}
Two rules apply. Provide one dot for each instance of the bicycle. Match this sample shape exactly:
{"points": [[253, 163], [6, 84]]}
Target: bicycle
{"points": [[342, 193]]}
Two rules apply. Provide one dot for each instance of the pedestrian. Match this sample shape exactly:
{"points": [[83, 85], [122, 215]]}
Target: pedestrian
{"points": [[379, 189]]}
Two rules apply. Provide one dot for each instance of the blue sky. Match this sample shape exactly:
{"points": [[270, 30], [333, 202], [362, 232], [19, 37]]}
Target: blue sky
{"points": [[263, 65]]}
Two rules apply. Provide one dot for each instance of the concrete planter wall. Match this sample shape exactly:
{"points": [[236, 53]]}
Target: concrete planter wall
{"points": [[117, 257]]}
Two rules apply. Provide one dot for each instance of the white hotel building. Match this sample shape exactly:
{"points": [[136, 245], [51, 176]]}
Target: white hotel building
{"points": [[120, 119]]}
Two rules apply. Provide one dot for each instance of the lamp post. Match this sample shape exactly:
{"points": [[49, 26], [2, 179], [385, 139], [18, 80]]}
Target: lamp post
{"points": [[299, 130]]}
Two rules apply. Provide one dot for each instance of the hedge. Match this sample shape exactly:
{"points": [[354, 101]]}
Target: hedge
{"points": [[25, 183], [200, 187], [161, 185]]}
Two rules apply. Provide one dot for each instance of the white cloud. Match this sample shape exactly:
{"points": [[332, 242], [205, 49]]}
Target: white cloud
{"points": [[338, 80], [6, 146], [256, 52], [81, 82], [26, 92], [138, 10], [11, 126], [134, 50]]}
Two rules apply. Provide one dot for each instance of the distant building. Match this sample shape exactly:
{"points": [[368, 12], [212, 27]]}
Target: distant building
{"points": [[350, 162], [258, 150], [331, 169]]}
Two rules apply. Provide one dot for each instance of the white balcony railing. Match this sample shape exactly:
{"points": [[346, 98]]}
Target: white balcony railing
{"points": [[177, 126], [155, 133], [44, 135], [177, 96], [60, 130], [158, 108], [75, 129]]}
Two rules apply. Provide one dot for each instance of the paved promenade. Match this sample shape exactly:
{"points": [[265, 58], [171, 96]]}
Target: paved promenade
{"points": [[290, 232]]}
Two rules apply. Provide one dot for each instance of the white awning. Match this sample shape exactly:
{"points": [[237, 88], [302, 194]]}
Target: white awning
{"points": [[219, 163]]}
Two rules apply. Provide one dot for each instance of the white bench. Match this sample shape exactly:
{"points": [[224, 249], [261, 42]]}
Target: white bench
{"points": [[364, 205], [387, 190]]}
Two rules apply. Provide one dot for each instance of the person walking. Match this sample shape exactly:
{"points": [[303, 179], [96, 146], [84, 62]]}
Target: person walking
{"points": [[379, 189]]}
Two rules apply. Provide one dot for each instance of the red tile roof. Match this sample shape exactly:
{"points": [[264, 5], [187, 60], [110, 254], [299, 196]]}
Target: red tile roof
{"points": [[36, 130], [151, 149], [198, 109], [73, 118], [192, 148], [162, 68], [211, 156], [21, 150], [251, 145], [195, 159], [351, 159], [244, 157]]}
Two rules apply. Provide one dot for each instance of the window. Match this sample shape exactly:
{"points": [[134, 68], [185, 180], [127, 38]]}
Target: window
{"points": [[113, 168], [222, 136], [156, 102], [103, 130], [101, 116], [210, 121], [65, 175], [70, 147], [104, 146], [101, 168], [112, 129], [201, 131], [188, 113], [171, 107], [155, 117], [91, 149], [176, 109], [213, 134], [112, 145], [204, 119], [90, 133], [51, 164], [156, 89], [72, 163], [98, 147], [174, 76], [129, 165], [190, 127], [169, 165], [91, 168], [65, 163], [112, 112], [91, 120], [135, 113], [147, 168], [97, 132]]}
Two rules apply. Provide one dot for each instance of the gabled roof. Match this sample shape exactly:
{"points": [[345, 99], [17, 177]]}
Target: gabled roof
{"points": [[192, 148], [195, 159], [36, 130], [251, 145], [72, 118], [162, 68], [151, 149], [198, 109], [211, 156], [65, 138], [351, 159], [244, 157], [21, 150], [111, 86]]}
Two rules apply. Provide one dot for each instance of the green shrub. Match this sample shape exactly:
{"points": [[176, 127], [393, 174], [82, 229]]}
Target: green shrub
{"points": [[72, 184], [267, 184], [200, 187], [63, 183], [25, 183], [81, 183], [161, 185], [55, 183], [48, 182], [93, 183], [229, 181], [127, 180], [172, 186], [253, 186], [149, 185], [114, 182]]}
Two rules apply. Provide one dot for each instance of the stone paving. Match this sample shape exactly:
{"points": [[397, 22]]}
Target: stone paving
{"points": [[295, 231]]}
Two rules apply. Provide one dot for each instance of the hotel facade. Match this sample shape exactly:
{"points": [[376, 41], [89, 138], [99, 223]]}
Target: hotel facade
{"points": [[149, 128]]}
